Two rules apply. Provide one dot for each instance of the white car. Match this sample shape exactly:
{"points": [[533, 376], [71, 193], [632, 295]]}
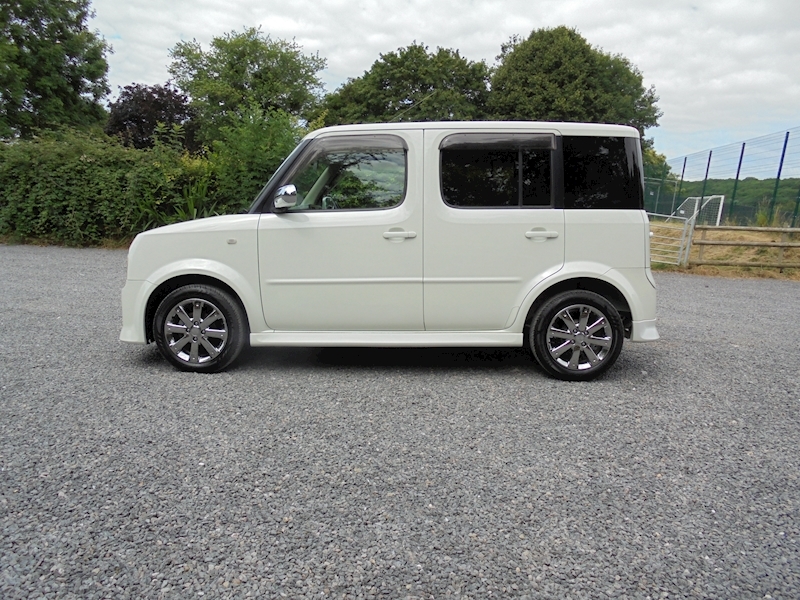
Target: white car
{"points": [[414, 234]]}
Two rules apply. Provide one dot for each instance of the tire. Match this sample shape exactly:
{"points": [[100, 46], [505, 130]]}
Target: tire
{"points": [[576, 335], [178, 328]]}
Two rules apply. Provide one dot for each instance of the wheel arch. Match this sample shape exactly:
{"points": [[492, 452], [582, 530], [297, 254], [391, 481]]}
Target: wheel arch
{"points": [[167, 286], [591, 284]]}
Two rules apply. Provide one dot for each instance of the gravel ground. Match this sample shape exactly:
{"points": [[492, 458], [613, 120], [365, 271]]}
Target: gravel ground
{"points": [[395, 473]]}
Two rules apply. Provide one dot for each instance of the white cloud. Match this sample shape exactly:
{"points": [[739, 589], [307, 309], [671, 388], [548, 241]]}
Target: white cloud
{"points": [[725, 70]]}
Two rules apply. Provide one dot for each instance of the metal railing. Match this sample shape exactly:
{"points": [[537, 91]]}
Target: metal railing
{"points": [[759, 179]]}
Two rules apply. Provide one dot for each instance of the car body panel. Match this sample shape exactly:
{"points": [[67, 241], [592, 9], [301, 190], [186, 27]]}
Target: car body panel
{"points": [[222, 248], [480, 263], [337, 270]]}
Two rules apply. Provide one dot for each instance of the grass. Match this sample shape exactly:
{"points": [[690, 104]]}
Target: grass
{"points": [[731, 272]]}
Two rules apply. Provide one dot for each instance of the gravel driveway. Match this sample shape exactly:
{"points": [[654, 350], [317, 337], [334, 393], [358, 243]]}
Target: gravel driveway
{"points": [[395, 473]]}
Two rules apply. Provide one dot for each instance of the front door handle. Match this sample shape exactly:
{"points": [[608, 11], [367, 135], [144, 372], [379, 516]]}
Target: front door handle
{"points": [[399, 235], [541, 234]]}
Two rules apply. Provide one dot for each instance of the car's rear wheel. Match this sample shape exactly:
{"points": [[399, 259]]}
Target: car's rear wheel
{"points": [[576, 335], [200, 328]]}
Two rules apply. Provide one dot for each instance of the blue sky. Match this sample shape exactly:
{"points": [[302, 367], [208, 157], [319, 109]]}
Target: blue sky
{"points": [[725, 70]]}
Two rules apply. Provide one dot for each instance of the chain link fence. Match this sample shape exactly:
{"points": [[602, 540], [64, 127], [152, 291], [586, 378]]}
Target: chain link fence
{"points": [[752, 183]]}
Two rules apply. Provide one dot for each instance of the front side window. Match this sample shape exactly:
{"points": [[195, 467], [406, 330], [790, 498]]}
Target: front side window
{"points": [[602, 172], [350, 173], [497, 170]]}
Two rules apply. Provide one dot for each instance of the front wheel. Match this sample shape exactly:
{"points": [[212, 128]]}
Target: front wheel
{"points": [[576, 335], [200, 328]]}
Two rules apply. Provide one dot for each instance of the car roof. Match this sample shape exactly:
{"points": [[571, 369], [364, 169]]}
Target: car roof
{"points": [[576, 129]]}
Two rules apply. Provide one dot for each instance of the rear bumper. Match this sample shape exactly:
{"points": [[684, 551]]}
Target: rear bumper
{"points": [[644, 331]]}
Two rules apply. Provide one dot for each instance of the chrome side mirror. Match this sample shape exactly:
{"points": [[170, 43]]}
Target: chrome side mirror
{"points": [[285, 197]]}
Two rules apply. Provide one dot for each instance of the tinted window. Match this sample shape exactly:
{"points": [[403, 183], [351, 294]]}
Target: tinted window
{"points": [[602, 172], [496, 171], [353, 172]]}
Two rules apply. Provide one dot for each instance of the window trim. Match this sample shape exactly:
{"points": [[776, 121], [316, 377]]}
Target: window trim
{"points": [[501, 141]]}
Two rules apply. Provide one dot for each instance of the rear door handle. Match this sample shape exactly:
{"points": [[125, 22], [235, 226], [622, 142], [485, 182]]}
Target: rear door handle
{"points": [[396, 235], [541, 234]]}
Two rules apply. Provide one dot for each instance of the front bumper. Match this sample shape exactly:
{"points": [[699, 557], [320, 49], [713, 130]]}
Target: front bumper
{"points": [[134, 303]]}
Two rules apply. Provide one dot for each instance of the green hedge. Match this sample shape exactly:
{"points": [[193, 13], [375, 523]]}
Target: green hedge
{"points": [[81, 188], [68, 187]]}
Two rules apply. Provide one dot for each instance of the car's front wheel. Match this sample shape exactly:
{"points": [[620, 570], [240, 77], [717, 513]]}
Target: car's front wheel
{"points": [[576, 335], [200, 328]]}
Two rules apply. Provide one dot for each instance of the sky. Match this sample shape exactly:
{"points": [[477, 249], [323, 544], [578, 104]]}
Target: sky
{"points": [[725, 70]]}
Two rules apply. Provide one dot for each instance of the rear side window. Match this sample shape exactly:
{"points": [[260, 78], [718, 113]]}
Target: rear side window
{"points": [[602, 172], [497, 170]]}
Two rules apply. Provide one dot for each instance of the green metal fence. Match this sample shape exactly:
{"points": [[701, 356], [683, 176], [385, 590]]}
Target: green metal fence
{"points": [[759, 180]]}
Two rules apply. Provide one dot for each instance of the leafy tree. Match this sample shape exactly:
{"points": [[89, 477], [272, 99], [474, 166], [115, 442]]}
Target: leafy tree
{"points": [[248, 151], [655, 163], [555, 75], [52, 68], [413, 84], [245, 69], [139, 109]]}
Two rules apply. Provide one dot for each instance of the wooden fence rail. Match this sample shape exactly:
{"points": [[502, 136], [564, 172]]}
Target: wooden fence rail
{"points": [[779, 263]]}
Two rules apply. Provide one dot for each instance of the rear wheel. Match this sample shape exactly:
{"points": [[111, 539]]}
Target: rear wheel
{"points": [[576, 335], [200, 328]]}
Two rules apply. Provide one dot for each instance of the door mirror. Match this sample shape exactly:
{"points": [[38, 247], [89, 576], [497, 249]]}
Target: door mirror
{"points": [[285, 198]]}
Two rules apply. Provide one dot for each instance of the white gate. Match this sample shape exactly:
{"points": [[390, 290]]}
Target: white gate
{"points": [[671, 238]]}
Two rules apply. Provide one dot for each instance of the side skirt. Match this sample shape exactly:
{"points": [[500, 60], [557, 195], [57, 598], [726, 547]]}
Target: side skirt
{"points": [[387, 339]]}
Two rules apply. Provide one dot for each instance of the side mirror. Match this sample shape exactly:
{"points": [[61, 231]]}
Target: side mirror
{"points": [[285, 198]]}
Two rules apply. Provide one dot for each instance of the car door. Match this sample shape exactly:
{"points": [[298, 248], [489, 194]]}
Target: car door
{"points": [[491, 227], [348, 255]]}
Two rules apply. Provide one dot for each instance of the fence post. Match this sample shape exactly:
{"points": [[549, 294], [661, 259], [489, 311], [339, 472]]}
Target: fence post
{"points": [[705, 181], [680, 186], [661, 185], [796, 206], [778, 180], [736, 182], [689, 233], [702, 246]]}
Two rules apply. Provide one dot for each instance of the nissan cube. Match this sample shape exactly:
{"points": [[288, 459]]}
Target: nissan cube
{"points": [[418, 235]]}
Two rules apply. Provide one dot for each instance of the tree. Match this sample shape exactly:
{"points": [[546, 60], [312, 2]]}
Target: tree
{"points": [[413, 84], [655, 163], [245, 69], [52, 68], [555, 75], [248, 152], [140, 108]]}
